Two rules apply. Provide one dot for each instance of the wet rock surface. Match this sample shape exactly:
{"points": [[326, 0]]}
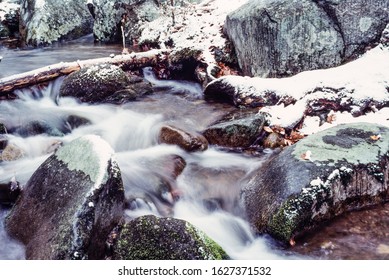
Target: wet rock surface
{"points": [[153, 238], [356, 235], [324, 175], [190, 142], [70, 204], [238, 129]]}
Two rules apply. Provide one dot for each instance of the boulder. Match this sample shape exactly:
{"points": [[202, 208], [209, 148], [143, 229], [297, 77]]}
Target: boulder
{"points": [[153, 238], [237, 129], [187, 141], [108, 14], [9, 18], [280, 38], [71, 203], [9, 192], [336, 170], [94, 84], [243, 92], [48, 21]]}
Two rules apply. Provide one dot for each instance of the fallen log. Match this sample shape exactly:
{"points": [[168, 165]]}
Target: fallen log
{"points": [[126, 62]]}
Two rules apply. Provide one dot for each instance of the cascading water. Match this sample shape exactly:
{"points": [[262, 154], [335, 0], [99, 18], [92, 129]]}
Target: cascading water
{"points": [[208, 189]]}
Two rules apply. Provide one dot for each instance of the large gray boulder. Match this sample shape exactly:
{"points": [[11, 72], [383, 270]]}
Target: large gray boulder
{"points": [[108, 14], [153, 238], [71, 203], [276, 38], [48, 21], [9, 18], [340, 169]]}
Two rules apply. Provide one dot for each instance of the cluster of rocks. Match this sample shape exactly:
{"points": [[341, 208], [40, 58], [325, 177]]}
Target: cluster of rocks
{"points": [[84, 202], [298, 188]]}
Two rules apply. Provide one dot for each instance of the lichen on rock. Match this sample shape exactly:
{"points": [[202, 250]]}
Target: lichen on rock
{"points": [[347, 170], [153, 238]]}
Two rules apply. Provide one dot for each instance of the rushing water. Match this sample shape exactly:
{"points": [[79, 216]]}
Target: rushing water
{"points": [[209, 185]]}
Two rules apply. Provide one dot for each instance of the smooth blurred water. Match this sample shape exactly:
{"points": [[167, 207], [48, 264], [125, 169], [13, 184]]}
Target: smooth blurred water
{"points": [[208, 189]]}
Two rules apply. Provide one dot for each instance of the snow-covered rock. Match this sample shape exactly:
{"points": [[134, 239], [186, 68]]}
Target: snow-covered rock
{"points": [[9, 18], [340, 169], [109, 13], [47, 21], [280, 38], [356, 88]]}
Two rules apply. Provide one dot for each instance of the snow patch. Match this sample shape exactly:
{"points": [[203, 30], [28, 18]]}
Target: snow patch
{"points": [[6, 7]]}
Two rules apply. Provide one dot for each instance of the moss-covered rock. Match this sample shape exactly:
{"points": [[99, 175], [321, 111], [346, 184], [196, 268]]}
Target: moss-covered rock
{"points": [[48, 21], [153, 238], [238, 129], [340, 169], [94, 84], [70, 204]]}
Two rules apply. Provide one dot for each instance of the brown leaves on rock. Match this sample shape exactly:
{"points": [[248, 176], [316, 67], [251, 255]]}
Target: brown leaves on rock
{"points": [[284, 139], [225, 70]]}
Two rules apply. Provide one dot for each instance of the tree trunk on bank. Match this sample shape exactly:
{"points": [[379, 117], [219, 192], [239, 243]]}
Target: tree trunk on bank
{"points": [[126, 62]]}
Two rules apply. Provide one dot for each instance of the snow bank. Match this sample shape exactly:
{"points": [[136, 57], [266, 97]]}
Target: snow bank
{"points": [[199, 26], [6, 6], [356, 84]]}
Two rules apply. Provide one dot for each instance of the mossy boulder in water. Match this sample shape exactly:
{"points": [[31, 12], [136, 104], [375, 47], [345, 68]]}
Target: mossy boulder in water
{"points": [[153, 238], [71, 203], [94, 84], [340, 169], [238, 129]]}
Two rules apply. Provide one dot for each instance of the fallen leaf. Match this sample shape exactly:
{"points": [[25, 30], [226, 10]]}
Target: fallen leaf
{"points": [[306, 155], [287, 142], [268, 129], [331, 118], [375, 137]]}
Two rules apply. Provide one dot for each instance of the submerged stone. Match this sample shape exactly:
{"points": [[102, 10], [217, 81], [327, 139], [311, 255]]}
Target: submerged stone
{"points": [[71, 203], [153, 238], [340, 169]]}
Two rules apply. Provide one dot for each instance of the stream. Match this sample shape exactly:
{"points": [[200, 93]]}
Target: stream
{"points": [[209, 185], [132, 130]]}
